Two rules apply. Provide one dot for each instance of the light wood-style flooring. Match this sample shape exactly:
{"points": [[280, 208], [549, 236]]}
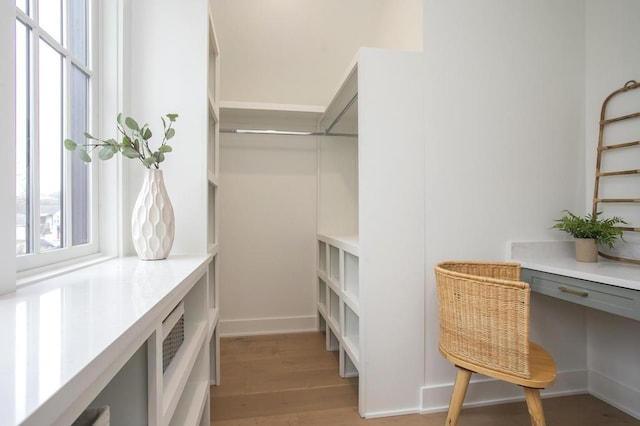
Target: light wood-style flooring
{"points": [[290, 379]]}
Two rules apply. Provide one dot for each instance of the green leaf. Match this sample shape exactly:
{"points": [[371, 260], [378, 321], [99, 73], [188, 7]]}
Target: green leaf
{"points": [[172, 117], [131, 123], [70, 145], [84, 156], [146, 135], [119, 118], [169, 134], [106, 153], [112, 142], [165, 148], [159, 156], [88, 136], [129, 152], [126, 141], [149, 161]]}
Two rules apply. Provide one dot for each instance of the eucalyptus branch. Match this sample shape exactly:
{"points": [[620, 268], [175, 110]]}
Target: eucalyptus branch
{"points": [[134, 142]]}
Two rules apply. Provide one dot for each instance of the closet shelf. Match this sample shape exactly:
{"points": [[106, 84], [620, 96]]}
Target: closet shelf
{"points": [[348, 243]]}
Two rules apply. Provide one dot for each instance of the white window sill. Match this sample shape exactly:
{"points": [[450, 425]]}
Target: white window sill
{"points": [[35, 275]]}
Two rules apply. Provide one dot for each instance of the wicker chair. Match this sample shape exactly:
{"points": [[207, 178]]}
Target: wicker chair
{"points": [[484, 328]]}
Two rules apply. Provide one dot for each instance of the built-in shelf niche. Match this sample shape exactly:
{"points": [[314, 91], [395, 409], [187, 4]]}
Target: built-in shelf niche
{"points": [[213, 283], [334, 264], [322, 257], [334, 307], [351, 330], [333, 343], [351, 275], [212, 237], [322, 294], [213, 144]]}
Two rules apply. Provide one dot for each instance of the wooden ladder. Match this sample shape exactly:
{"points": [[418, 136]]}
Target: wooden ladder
{"points": [[604, 148]]}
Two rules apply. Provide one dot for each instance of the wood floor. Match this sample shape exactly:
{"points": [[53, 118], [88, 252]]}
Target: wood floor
{"points": [[290, 379]]}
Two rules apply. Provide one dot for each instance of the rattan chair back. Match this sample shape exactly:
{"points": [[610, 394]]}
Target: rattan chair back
{"points": [[484, 315]]}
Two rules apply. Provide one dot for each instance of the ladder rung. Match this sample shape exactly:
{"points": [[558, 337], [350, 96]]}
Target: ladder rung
{"points": [[619, 173], [622, 117], [618, 145], [628, 228]]}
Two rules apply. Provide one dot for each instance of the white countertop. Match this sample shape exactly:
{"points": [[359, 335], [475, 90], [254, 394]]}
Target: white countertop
{"points": [[53, 332], [558, 257]]}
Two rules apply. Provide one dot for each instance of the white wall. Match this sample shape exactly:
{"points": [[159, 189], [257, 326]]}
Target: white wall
{"points": [[504, 128], [267, 234], [295, 51], [400, 26], [611, 60], [167, 73], [338, 186], [7, 148]]}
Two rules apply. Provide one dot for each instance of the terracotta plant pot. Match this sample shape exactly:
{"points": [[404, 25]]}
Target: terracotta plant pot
{"points": [[586, 250]]}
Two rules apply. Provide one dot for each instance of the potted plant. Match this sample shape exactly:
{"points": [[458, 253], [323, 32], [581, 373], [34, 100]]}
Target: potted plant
{"points": [[589, 231], [152, 219]]}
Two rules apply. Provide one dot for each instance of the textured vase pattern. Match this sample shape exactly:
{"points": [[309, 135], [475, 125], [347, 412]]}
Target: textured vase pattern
{"points": [[152, 221]]}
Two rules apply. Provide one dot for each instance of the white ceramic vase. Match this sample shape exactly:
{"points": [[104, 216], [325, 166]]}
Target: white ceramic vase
{"points": [[152, 219]]}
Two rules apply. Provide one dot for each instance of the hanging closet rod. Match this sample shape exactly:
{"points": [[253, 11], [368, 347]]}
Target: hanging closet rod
{"points": [[284, 132], [327, 132]]}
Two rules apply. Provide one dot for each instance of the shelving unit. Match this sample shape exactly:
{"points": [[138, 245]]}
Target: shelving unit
{"points": [[179, 394], [337, 302], [184, 372], [371, 229], [213, 208]]}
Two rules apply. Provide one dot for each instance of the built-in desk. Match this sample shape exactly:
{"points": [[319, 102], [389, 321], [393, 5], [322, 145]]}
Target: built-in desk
{"points": [[550, 268], [98, 332]]}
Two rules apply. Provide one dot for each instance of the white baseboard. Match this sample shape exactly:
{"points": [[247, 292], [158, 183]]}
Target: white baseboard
{"points": [[614, 393], [485, 391], [255, 326]]}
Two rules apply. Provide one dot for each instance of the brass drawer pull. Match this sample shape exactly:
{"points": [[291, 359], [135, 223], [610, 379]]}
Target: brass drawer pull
{"points": [[574, 292]]}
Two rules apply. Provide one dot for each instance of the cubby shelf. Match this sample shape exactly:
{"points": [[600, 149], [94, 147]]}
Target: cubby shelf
{"points": [[338, 306], [174, 379], [195, 395]]}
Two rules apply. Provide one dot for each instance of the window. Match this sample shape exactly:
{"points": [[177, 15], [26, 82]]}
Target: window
{"points": [[55, 86]]}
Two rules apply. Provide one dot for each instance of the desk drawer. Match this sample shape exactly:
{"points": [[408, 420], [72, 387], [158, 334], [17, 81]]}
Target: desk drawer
{"points": [[616, 300]]}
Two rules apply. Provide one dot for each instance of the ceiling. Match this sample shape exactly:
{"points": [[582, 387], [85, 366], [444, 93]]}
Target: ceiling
{"points": [[296, 52]]}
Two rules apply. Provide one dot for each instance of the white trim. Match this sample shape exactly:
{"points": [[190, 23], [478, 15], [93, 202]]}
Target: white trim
{"points": [[257, 326], [615, 393], [486, 391]]}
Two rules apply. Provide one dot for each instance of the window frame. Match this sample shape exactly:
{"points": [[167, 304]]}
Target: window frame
{"points": [[35, 262]]}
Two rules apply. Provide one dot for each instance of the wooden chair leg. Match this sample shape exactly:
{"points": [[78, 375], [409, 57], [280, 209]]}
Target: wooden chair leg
{"points": [[534, 404], [457, 397]]}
